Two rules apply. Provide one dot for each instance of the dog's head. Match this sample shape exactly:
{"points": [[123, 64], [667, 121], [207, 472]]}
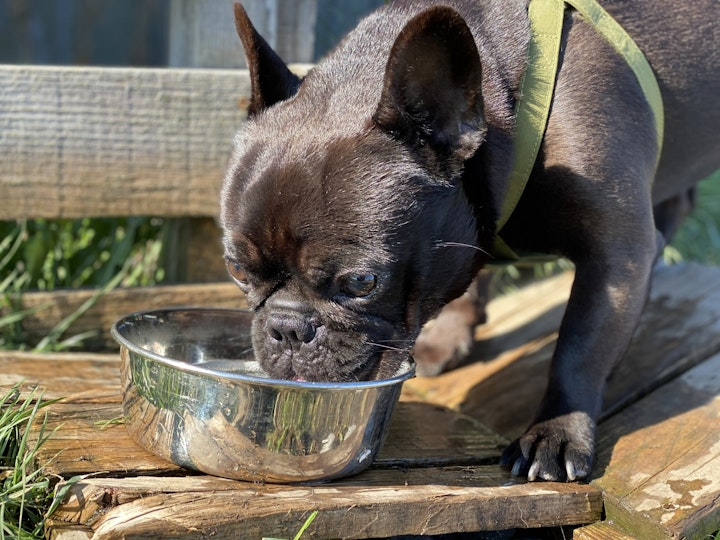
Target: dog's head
{"points": [[345, 218]]}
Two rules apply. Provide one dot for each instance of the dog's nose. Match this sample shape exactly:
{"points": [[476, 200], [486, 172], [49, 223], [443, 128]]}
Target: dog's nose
{"points": [[290, 328]]}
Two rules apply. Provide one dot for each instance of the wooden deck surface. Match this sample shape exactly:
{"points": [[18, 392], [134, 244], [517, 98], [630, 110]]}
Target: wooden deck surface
{"points": [[657, 474]]}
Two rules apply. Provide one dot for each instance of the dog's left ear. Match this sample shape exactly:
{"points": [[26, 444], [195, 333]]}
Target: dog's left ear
{"points": [[270, 79], [431, 92]]}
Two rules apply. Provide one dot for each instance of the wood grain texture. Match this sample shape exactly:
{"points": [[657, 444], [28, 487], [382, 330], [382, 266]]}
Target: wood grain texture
{"points": [[679, 328], [659, 459], [601, 530], [88, 142], [411, 502], [57, 530], [54, 306], [74, 376], [434, 474]]}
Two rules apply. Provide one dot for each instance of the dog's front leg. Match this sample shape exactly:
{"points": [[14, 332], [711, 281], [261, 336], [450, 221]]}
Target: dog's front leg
{"points": [[605, 304]]}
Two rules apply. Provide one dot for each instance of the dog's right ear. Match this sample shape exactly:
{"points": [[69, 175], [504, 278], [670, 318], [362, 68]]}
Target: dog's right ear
{"points": [[431, 93], [270, 79]]}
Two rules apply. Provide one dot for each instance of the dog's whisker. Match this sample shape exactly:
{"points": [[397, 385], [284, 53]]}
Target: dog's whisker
{"points": [[389, 347], [462, 244]]}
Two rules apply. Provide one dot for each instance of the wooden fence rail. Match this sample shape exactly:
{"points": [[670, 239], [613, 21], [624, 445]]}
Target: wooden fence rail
{"points": [[96, 142]]}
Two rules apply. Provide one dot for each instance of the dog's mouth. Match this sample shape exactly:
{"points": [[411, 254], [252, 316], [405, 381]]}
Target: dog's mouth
{"points": [[329, 355], [289, 348], [304, 366]]}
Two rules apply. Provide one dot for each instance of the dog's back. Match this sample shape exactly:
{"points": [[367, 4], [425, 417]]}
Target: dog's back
{"points": [[681, 40]]}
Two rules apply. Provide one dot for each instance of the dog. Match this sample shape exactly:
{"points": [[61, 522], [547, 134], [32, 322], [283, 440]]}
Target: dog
{"points": [[362, 200]]}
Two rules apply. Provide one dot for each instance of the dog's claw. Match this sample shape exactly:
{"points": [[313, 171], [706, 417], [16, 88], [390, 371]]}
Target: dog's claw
{"points": [[533, 472], [553, 450], [570, 470]]}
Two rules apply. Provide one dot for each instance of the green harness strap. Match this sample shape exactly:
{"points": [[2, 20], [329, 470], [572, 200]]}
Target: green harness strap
{"points": [[538, 83]]}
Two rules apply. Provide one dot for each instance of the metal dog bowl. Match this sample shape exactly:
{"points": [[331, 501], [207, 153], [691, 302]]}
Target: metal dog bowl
{"points": [[194, 395]]}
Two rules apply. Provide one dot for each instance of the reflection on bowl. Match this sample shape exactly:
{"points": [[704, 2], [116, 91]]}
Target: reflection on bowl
{"points": [[193, 394]]}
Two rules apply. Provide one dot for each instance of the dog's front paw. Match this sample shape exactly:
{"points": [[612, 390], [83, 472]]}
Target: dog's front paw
{"points": [[558, 449]]}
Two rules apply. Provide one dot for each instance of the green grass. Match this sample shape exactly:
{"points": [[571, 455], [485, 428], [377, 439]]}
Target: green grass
{"points": [[699, 237], [27, 495], [47, 255]]}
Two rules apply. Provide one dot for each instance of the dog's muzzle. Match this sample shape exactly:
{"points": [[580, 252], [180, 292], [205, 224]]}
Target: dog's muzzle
{"points": [[289, 329]]}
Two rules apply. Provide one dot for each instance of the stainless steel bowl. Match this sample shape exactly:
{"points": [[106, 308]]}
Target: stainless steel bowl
{"points": [[194, 395]]}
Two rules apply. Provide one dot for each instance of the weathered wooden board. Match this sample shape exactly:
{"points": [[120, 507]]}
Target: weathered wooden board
{"points": [[601, 530], [679, 328], [519, 324], [54, 306], [421, 434], [202, 34], [659, 459], [432, 476], [83, 142], [374, 504], [62, 375]]}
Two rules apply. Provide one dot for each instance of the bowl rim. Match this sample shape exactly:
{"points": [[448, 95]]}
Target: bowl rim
{"points": [[405, 372]]}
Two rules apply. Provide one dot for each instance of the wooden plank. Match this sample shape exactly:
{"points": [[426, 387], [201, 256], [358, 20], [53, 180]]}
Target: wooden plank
{"points": [[56, 305], [420, 434], [78, 376], [86, 441], [519, 324], [431, 476], [82, 142], [202, 34], [679, 328], [375, 504], [66, 531], [659, 460], [602, 530], [504, 386]]}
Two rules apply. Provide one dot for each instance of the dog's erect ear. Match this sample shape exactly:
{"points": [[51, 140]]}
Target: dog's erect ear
{"points": [[431, 92], [270, 79]]}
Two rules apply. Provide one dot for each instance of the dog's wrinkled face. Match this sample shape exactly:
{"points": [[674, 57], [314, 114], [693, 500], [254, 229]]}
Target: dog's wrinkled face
{"points": [[345, 228], [335, 250]]}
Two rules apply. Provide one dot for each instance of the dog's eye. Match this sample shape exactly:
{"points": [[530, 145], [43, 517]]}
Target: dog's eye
{"points": [[237, 272], [359, 284]]}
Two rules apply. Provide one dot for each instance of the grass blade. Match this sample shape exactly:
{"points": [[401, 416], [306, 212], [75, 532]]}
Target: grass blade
{"points": [[25, 492], [48, 342]]}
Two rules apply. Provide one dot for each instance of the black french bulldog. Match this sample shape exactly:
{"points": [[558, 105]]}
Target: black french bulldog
{"points": [[363, 198]]}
